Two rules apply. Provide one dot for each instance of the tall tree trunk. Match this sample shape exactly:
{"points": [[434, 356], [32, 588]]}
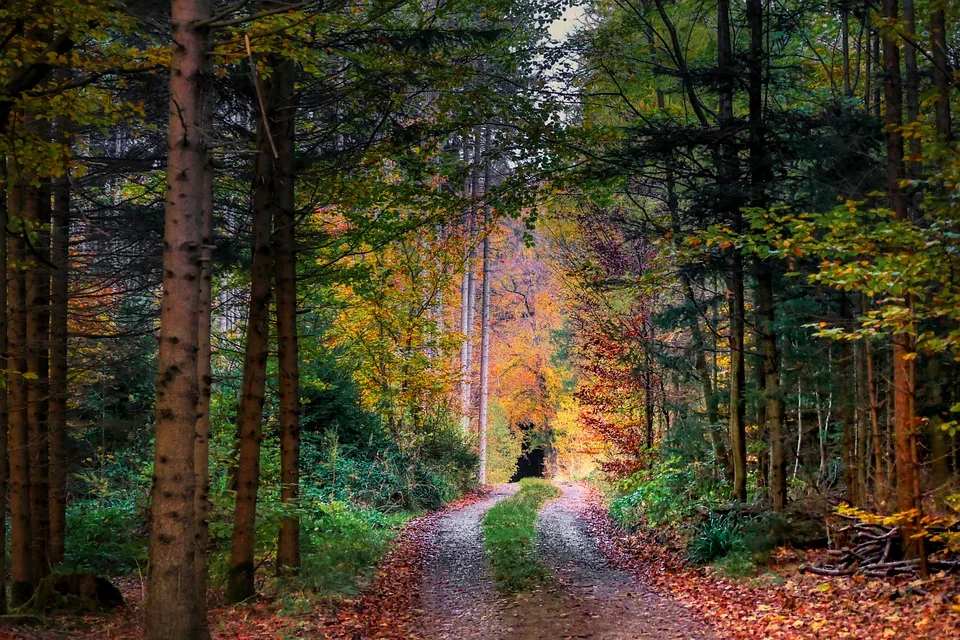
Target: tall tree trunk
{"points": [[942, 73], [466, 299], [18, 437], [201, 445], [729, 170], [771, 387], [848, 434], [911, 87], [4, 406], [485, 314], [171, 609], [904, 414], [288, 538], [60, 280], [37, 219], [266, 187]]}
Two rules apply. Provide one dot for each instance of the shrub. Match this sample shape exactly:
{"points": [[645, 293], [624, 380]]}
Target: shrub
{"points": [[715, 538], [108, 539]]}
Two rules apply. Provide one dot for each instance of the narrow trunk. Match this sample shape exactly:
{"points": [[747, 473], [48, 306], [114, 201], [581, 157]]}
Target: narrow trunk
{"points": [[879, 470], [771, 389], [59, 259], [201, 446], [904, 415], [466, 327], [4, 414], [710, 402], [738, 436], [21, 574], [942, 74], [171, 609], [911, 87], [288, 538], [848, 434], [863, 395], [485, 316], [36, 215], [266, 188]]}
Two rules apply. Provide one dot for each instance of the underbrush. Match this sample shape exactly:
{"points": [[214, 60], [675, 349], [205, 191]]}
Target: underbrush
{"points": [[510, 536], [685, 504], [353, 502]]}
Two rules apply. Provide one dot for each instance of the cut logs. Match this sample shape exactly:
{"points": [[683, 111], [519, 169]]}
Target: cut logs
{"points": [[877, 551]]}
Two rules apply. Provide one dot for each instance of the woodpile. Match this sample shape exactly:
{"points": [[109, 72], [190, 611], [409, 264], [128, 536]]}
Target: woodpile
{"points": [[877, 551]]}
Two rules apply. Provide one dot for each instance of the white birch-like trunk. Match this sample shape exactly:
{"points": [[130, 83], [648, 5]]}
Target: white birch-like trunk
{"points": [[485, 318]]}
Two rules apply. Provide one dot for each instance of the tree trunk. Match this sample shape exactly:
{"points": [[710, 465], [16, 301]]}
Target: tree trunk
{"points": [[266, 188], [911, 87], [60, 260], [942, 74], [848, 434], [485, 315], [904, 414], [466, 302], [37, 219], [21, 573], [288, 538], [4, 414], [738, 436], [771, 389], [710, 402], [171, 609], [201, 445]]}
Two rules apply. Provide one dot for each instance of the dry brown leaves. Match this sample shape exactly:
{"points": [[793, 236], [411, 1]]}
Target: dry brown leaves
{"points": [[785, 604], [386, 610]]}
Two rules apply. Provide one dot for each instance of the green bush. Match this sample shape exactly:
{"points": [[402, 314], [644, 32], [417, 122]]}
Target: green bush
{"points": [[666, 494], [109, 540], [715, 538], [510, 535], [341, 545]]}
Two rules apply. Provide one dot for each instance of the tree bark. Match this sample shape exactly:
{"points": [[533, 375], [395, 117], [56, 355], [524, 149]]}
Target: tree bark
{"points": [[942, 73], [288, 539], [485, 315], [466, 301], [738, 436], [201, 445], [848, 434], [266, 187], [171, 609], [911, 86], [904, 414], [21, 567], [36, 216], [4, 406], [59, 300]]}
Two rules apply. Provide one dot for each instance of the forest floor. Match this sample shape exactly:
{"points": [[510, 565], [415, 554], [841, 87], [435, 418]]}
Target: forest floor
{"points": [[606, 584]]}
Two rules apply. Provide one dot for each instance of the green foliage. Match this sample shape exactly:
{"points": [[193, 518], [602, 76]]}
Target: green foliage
{"points": [[665, 494], [715, 538], [510, 534], [342, 544], [504, 446], [107, 539]]}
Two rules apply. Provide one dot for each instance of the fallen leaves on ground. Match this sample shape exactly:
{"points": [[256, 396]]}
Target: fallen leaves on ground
{"points": [[385, 610], [784, 604]]}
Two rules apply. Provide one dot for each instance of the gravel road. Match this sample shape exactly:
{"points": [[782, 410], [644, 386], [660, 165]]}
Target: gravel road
{"points": [[585, 598]]}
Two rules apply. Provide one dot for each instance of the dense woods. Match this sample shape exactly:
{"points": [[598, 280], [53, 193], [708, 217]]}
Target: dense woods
{"points": [[281, 275]]}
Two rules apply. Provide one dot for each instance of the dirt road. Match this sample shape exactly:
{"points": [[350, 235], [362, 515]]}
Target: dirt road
{"points": [[585, 598]]}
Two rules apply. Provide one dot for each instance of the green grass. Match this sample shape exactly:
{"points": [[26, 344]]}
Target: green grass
{"points": [[510, 536]]}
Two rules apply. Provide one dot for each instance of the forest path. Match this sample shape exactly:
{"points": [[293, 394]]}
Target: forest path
{"points": [[585, 598]]}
